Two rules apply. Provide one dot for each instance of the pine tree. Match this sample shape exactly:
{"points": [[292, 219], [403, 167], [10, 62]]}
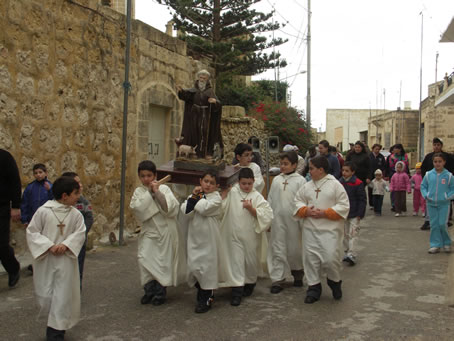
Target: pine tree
{"points": [[230, 33]]}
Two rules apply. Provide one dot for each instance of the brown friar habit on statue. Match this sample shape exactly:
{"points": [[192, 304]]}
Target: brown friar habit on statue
{"points": [[202, 120]]}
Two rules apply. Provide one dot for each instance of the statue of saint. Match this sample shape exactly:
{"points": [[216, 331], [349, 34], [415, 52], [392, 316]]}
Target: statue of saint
{"points": [[202, 116]]}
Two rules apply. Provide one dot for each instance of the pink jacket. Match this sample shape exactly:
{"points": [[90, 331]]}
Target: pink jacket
{"points": [[417, 179], [400, 181]]}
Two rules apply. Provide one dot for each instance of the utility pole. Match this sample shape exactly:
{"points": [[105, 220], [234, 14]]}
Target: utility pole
{"points": [[308, 97], [420, 93], [127, 88]]}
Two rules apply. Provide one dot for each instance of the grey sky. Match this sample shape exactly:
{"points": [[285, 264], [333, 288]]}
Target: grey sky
{"points": [[359, 48]]}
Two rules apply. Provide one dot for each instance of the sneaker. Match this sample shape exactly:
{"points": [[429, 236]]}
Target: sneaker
{"points": [[447, 248], [397, 215], [433, 250], [415, 214], [425, 226]]}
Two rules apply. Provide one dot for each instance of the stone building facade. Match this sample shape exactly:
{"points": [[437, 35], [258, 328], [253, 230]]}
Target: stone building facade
{"points": [[345, 126], [436, 121], [61, 96]]}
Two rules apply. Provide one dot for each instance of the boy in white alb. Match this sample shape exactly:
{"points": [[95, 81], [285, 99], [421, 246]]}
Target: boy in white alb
{"points": [[161, 255], [243, 153], [205, 256], [55, 236], [246, 214], [324, 205], [285, 251]]}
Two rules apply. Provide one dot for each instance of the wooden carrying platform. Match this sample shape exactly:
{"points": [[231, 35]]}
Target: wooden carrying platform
{"points": [[227, 177]]}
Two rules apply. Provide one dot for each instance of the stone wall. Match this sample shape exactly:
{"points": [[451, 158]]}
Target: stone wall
{"points": [[438, 122], [61, 94]]}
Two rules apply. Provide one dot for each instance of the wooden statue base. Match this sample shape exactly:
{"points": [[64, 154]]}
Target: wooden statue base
{"points": [[201, 165], [227, 176]]}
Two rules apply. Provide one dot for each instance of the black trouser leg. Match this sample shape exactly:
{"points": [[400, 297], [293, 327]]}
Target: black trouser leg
{"points": [[248, 289], [7, 258], [336, 289], [369, 194], [237, 291], [297, 278]]}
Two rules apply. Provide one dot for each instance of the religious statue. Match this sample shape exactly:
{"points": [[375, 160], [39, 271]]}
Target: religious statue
{"points": [[202, 117]]}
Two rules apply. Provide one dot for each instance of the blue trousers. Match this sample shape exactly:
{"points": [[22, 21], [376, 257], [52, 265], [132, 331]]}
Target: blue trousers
{"points": [[439, 215]]}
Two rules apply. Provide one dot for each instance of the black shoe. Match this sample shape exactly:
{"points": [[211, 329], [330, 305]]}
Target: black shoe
{"points": [[202, 307], [313, 293], [298, 283], [13, 279], [235, 301], [393, 209], [146, 299], [30, 268], [449, 224], [336, 288], [54, 334], [158, 300], [425, 226], [248, 289], [276, 289]]}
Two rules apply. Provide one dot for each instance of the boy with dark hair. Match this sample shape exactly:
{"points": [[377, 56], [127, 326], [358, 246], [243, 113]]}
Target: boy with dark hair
{"points": [[36, 193], [324, 206], [55, 236], [357, 198], [205, 255], [285, 251], [334, 166], [246, 214], [243, 153], [160, 249], [84, 207]]}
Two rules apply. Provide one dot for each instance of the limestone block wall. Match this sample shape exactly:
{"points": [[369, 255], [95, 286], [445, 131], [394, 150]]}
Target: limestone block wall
{"points": [[61, 94], [438, 122]]}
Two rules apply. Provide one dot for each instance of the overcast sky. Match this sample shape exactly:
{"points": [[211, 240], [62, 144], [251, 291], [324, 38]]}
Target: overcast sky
{"points": [[359, 48]]}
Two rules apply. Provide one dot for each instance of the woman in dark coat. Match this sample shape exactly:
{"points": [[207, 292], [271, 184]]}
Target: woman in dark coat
{"points": [[361, 160]]}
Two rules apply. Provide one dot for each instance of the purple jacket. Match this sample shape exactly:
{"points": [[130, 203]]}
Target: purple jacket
{"points": [[400, 181]]}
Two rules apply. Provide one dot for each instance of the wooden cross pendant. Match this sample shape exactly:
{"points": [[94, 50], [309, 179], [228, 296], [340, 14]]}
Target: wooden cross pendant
{"points": [[60, 226], [317, 191], [285, 183]]}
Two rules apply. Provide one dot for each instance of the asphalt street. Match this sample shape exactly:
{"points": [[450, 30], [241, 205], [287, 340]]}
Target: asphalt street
{"points": [[395, 292]]}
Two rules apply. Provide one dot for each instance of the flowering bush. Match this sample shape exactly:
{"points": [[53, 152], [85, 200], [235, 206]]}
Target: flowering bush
{"points": [[286, 122]]}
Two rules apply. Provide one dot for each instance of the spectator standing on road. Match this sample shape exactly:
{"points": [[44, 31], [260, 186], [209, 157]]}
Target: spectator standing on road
{"points": [[36, 193], [361, 160], [437, 188], [377, 161], [418, 200], [400, 185], [378, 191], [333, 150], [10, 197], [334, 167], [427, 165]]}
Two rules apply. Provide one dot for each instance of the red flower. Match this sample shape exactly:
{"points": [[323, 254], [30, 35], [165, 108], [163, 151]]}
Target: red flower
{"points": [[283, 119], [284, 129], [265, 118]]}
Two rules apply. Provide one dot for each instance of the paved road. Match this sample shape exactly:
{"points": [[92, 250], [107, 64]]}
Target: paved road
{"points": [[395, 292]]}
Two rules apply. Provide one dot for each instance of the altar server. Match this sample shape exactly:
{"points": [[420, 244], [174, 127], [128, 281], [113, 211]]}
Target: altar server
{"points": [[55, 236], [161, 254], [285, 251], [246, 214], [324, 205]]}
